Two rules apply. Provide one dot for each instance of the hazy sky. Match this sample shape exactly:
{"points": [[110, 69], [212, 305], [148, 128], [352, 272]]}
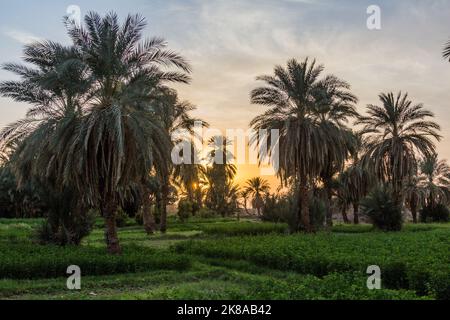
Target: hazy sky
{"points": [[230, 42]]}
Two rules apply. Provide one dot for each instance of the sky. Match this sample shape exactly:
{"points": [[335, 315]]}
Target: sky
{"points": [[230, 42]]}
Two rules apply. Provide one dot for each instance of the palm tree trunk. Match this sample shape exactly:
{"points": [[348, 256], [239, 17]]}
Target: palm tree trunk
{"points": [[344, 216], [329, 214], [356, 213], [109, 209], [147, 217], [163, 208], [414, 213], [303, 219]]}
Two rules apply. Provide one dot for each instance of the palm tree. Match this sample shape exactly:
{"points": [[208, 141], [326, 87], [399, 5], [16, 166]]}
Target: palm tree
{"points": [[56, 86], [334, 106], [307, 140], [221, 194], [342, 197], [414, 195], [117, 139], [394, 133], [435, 180], [357, 182], [256, 188], [175, 116]]}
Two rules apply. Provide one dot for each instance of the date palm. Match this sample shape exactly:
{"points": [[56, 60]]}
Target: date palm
{"points": [[435, 180], [116, 140], [121, 139], [335, 105], [307, 140], [395, 133], [175, 116], [56, 86], [414, 195], [257, 188]]}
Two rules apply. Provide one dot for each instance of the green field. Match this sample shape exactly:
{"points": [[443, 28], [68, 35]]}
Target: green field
{"points": [[226, 259]]}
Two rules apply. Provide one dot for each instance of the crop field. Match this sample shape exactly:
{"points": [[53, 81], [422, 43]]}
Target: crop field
{"points": [[226, 259]]}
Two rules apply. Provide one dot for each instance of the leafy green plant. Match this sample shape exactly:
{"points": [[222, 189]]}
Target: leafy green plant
{"points": [[185, 210], [30, 261], [436, 213], [121, 218], [382, 209]]}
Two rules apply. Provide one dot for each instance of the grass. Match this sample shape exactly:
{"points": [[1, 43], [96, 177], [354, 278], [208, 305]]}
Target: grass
{"points": [[226, 259]]}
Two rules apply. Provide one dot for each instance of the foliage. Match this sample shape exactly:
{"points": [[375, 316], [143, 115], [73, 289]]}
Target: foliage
{"points": [[408, 260], [283, 208], [382, 209], [185, 210], [394, 135], [278, 208], [243, 228], [256, 188], [24, 202], [310, 114], [30, 261], [436, 213], [121, 218], [93, 128], [206, 213], [434, 181]]}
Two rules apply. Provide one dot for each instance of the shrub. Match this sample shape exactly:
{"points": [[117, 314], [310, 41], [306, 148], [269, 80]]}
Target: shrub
{"points": [[139, 218], [206, 213], [277, 208], [382, 210], [185, 210], [66, 229], [284, 209], [317, 212], [121, 218], [436, 213]]}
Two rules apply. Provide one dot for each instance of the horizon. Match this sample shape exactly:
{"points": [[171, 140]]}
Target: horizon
{"points": [[230, 43]]}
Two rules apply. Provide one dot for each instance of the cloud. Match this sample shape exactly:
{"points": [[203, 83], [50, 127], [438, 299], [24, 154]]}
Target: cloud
{"points": [[21, 36]]}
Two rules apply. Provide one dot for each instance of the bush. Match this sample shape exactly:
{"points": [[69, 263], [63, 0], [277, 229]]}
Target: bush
{"points": [[66, 229], [317, 212], [121, 218], [436, 213], [206, 213], [382, 210], [185, 210], [284, 209], [139, 218], [277, 208]]}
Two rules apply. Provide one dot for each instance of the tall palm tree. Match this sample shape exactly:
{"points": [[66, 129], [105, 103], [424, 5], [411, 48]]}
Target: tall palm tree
{"points": [[414, 195], [295, 96], [394, 134], [435, 180], [175, 115], [221, 194], [257, 188], [57, 87], [117, 140], [121, 139], [334, 106]]}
